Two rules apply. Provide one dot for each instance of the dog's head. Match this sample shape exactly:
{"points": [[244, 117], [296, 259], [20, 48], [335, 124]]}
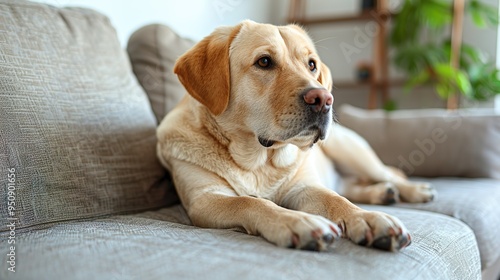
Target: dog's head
{"points": [[261, 79]]}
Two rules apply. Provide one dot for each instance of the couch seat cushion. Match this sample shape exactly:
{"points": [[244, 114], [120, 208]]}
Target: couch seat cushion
{"points": [[162, 245], [476, 203]]}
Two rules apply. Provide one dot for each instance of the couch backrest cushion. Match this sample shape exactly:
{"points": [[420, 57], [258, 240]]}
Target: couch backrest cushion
{"points": [[76, 129], [431, 142], [153, 50]]}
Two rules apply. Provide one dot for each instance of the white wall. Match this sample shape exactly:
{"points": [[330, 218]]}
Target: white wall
{"points": [[191, 18]]}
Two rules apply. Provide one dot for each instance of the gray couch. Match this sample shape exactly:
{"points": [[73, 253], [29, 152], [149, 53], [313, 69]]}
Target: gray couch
{"points": [[84, 197]]}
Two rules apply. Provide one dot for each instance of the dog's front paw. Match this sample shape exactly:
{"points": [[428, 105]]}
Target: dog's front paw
{"points": [[377, 230], [417, 192], [302, 231]]}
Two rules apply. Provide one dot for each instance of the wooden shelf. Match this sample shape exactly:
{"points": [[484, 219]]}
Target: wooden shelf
{"points": [[364, 16], [350, 85], [355, 84]]}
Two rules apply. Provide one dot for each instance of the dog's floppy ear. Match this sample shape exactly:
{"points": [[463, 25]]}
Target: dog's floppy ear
{"points": [[325, 77], [204, 69]]}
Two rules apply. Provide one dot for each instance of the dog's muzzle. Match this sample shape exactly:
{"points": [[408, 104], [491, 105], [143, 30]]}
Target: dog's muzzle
{"points": [[319, 112], [315, 120], [319, 100]]}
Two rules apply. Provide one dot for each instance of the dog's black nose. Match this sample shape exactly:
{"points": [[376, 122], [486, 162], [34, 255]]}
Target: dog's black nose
{"points": [[318, 99]]}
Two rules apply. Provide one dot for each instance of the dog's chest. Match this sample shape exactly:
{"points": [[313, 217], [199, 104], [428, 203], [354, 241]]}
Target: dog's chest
{"points": [[248, 169], [270, 172]]}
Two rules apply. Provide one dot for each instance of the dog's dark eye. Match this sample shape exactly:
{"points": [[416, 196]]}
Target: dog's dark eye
{"points": [[312, 66], [264, 62]]}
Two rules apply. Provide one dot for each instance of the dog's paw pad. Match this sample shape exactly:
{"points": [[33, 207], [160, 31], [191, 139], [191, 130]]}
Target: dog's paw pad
{"points": [[378, 230], [392, 242], [311, 246], [390, 196], [385, 194], [317, 241], [307, 232], [363, 242], [383, 243]]}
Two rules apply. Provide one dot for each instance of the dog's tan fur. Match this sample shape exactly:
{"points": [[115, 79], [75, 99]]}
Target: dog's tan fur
{"points": [[225, 178]]}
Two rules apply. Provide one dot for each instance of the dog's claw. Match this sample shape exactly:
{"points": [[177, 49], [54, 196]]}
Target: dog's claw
{"points": [[328, 238], [403, 242]]}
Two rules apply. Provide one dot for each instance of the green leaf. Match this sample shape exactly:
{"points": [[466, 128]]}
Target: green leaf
{"points": [[402, 32], [463, 83], [390, 105], [478, 19], [421, 21], [445, 71], [411, 58], [472, 54], [482, 14], [443, 90], [436, 13], [453, 78], [416, 80], [475, 72], [414, 58]]}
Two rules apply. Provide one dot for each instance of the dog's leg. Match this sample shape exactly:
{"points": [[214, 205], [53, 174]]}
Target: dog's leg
{"points": [[384, 193], [350, 151], [366, 228], [211, 203]]}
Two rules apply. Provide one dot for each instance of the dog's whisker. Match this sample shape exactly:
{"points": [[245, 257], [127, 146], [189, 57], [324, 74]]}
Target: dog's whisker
{"points": [[323, 47], [324, 39]]}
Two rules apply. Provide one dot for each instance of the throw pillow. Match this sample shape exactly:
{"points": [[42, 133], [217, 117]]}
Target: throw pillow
{"points": [[153, 50], [431, 142], [77, 134]]}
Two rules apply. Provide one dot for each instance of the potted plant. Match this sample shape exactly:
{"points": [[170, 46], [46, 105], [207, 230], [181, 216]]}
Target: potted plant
{"points": [[429, 56]]}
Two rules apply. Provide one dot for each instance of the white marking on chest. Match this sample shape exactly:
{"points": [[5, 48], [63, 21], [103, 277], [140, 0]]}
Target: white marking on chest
{"points": [[259, 175], [285, 156]]}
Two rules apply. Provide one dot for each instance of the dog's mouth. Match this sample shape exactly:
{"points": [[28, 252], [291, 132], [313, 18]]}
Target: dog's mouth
{"points": [[314, 133], [266, 142], [304, 134]]}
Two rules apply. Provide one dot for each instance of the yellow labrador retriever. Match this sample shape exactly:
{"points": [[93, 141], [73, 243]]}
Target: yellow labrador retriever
{"points": [[241, 146]]}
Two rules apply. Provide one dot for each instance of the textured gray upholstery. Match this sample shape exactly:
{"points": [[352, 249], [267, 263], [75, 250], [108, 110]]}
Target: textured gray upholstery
{"points": [[431, 142], [159, 245], [74, 123], [153, 50], [476, 202]]}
